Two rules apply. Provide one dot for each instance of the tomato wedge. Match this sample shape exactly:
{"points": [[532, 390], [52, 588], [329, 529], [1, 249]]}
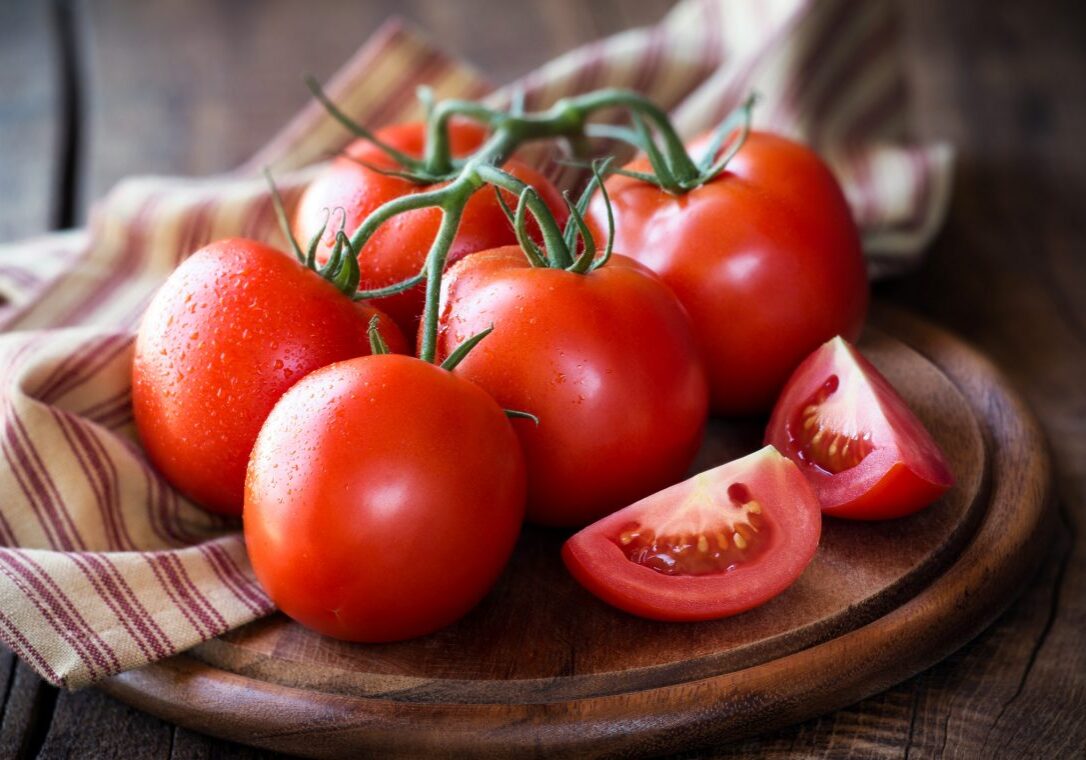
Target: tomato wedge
{"points": [[866, 454], [720, 543]]}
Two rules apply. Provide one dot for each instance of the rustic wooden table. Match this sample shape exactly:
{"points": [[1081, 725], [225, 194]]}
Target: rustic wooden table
{"points": [[90, 92]]}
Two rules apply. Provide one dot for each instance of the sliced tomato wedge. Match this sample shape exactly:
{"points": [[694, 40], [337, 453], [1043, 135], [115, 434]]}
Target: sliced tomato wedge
{"points": [[866, 454], [718, 544]]}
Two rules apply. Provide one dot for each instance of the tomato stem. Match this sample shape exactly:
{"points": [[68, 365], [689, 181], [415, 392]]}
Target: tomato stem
{"points": [[519, 414], [509, 129], [357, 129], [461, 352], [556, 250], [435, 265], [377, 343], [281, 216]]}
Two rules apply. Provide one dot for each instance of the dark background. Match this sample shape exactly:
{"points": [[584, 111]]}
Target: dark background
{"points": [[93, 91]]}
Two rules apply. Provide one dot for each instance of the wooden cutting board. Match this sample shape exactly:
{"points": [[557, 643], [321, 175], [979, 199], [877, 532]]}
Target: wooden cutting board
{"points": [[544, 667]]}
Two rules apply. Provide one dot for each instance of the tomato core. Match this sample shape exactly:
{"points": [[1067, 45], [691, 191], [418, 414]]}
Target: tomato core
{"points": [[825, 433], [706, 534]]}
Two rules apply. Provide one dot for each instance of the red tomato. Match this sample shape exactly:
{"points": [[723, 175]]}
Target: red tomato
{"points": [[766, 258], [384, 498], [398, 249], [720, 543], [867, 456], [605, 360], [231, 329]]}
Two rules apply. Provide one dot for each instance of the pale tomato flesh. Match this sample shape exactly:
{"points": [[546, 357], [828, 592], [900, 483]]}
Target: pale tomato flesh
{"points": [[853, 436], [720, 543]]}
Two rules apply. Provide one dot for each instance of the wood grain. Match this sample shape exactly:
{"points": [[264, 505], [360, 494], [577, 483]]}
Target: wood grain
{"points": [[540, 636], [878, 603], [996, 78]]}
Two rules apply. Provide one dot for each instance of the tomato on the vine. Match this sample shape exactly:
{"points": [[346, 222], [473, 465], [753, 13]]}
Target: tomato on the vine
{"points": [[226, 335], [384, 497], [866, 454], [605, 360], [718, 544], [765, 257], [398, 249]]}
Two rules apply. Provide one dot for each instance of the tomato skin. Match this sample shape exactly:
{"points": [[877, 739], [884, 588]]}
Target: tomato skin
{"points": [[605, 360], [226, 335], [595, 558], [905, 470], [398, 249], [384, 498], [766, 258]]}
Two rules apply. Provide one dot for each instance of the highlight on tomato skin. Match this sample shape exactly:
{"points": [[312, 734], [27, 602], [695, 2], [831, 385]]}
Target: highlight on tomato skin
{"points": [[766, 258], [724, 541], [229, 331], [865, 453], [605, 360], [384, 497]]}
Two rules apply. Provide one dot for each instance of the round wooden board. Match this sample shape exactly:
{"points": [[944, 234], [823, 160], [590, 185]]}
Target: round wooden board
{"points": [[542, 666]]}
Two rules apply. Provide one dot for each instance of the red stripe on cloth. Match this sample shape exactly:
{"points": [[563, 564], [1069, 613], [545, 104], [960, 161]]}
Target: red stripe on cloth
{"points": [[867, 45], [106, 469], [211, 612], [47, 391], [131, 614], [19, 461], [37, 484], [121, 269], [831, 16], [161, 511], [95, 478], [870, 203], [108, 405], [433, 64], [7, 535], [31, 294], [57, 610], [119, 418], [164, 505], [259, 211], [97, 353], [232, 578], [197, 229], [886, 105], [182, 599], [21, 645], [712, 30], [648, 68]]}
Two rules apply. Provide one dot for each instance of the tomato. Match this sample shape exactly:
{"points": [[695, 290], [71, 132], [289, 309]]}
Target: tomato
{"points": [[384, 498], [398, 249], [226, 335], [605, 360], [765, 257], [718, 544], [867, 456]]}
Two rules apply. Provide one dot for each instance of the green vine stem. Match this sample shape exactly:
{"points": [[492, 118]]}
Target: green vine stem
{"points": [[451, 182]]}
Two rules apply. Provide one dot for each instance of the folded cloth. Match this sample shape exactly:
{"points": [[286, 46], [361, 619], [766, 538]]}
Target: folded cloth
{"points": [[103, 566]]}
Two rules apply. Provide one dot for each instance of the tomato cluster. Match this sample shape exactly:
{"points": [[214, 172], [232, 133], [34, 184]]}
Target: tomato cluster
{"points": [[382, 494]]}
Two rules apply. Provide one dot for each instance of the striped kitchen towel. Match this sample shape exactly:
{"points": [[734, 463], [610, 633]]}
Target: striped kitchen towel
{"points": [[103, 566]]}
